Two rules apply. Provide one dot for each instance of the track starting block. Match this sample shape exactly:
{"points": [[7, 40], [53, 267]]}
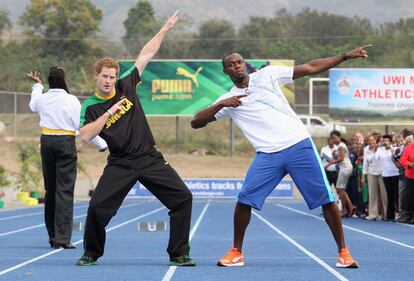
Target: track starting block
{"points": [[77, 226], [155, 226]]}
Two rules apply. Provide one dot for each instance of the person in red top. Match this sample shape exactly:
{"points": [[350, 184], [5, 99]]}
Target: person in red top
{"points": [[407, 161]]}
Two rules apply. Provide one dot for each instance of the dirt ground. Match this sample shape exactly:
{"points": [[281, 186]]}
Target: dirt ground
{"points": [[187, 165]]}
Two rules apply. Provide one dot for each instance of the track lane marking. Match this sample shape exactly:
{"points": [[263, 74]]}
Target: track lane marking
{"points": [[7, 270], [303, 249], [171, 270], [351, 228], [40, 225]]}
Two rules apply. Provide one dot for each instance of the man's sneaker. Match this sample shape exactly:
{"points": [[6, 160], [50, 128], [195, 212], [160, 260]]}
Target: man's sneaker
{"points": [[345, 259], [85, 261], [232, 258], [184, 260]]}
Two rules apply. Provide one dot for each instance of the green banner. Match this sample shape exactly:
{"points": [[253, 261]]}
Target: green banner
{"points": [[173, 87]]}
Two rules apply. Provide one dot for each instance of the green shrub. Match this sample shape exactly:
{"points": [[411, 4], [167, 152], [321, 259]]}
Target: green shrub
{"points": [[29, 177]]}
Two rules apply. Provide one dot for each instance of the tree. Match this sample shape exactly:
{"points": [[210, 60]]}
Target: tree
{"points": [[396, 37], [4, 21], [140, 26], [330, 29], [215, 38], [61, 28], [179, 42], [303, 36]]}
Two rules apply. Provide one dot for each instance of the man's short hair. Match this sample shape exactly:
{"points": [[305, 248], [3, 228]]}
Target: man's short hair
{"points": [[389, 137], [106, 62], [375, 132], [226, 55], [406, 132], [409, 139]]}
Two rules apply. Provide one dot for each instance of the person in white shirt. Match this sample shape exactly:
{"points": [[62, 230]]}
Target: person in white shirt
{"points": [[403, 192], [59, 119], [345, 171], [261, 111], [371, 166], [390, 175], [327, 156]]}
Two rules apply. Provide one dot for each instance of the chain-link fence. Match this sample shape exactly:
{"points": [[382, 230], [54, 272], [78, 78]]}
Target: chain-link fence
{"points": [[15, 114], [173, 134], [21, 122], [176, 134]]}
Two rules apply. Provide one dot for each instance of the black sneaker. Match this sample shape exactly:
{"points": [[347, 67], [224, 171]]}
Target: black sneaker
{"points": [[85, 261], [184, 260]]}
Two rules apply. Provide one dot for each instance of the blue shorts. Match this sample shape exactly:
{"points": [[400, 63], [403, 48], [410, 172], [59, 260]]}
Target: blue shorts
{"points": [[301, 161]]}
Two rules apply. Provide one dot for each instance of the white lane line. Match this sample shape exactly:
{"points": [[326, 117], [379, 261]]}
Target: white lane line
{"points": [[303, 249], [32, 227], [41, 225], [33, 214], [7, 270], [20, 216], [21, 230], [171, 270], [405, 224], [352, 228]]}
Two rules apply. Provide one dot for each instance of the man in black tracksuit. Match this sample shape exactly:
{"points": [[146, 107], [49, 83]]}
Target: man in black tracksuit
{"points": [[115, 113]]}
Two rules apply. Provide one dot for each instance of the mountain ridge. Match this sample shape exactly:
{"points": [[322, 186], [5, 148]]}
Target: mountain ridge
{"points": [[238, 12]]}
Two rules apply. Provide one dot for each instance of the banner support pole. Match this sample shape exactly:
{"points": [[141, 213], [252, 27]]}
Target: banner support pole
{"points": [[231, 146], [177, 140]]}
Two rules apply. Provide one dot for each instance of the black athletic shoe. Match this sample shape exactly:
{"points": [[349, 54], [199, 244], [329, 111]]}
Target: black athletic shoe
{"points": [[184, 260], [85, 261]]}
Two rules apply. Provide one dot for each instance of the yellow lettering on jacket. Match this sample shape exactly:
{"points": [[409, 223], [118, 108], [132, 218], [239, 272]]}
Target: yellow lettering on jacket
{"points": [[125, 107]]}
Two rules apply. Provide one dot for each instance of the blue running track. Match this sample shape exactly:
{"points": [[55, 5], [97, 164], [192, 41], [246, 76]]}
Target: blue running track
{"points": [[285, 241]]}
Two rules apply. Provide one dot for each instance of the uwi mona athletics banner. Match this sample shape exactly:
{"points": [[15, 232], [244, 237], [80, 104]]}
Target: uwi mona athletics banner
{"points": [[371, 93], [184, 87]]}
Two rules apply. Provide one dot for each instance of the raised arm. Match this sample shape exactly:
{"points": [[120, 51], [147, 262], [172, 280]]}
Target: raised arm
{"points": [[153, 45], [202, 118], [37, 88], [321, 65]]}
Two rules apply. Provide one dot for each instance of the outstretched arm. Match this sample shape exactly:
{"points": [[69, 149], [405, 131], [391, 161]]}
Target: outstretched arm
{"points": [[202, 118], [153, 45], [321, 65]]}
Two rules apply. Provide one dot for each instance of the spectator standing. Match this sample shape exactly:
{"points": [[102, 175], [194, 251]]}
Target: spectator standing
{"points": [[407, 161], [345, 171], [390, 175], [352, 187], [327, 158], [59, 114], [403, 202], [376, 188]]}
